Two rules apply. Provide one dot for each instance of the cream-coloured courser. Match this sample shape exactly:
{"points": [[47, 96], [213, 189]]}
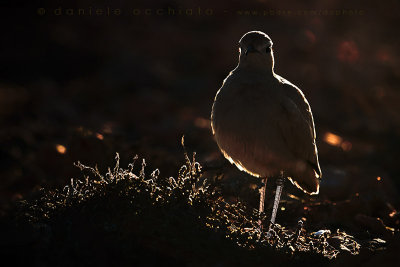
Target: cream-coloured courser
{"points": [[263, 123]]}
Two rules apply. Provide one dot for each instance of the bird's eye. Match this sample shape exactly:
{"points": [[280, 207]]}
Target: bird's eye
{"points": [[268, 50]]}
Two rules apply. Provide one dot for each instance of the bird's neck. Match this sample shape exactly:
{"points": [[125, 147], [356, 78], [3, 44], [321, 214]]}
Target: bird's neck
{"points": [[257, 64]]}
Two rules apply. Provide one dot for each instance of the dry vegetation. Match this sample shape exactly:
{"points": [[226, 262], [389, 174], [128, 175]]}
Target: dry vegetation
{"points": [[127, 216]]}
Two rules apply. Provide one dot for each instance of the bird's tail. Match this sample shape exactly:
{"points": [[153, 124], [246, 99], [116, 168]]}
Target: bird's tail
{"points": [[307, 181]]}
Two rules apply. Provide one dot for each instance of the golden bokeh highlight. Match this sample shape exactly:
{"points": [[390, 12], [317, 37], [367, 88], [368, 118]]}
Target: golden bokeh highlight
{"points": [[99, 136], [333, 139], [336, 140], [61, 149]]}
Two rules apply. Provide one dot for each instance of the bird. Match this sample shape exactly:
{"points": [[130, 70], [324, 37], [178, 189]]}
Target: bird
{"points": [[263, 124]]}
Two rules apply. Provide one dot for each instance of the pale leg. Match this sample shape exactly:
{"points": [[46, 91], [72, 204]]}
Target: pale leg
{"points": [[262, 200], [278, 193]]}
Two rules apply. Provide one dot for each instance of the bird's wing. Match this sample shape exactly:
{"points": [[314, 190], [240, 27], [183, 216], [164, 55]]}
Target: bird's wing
{"points": [[297, 96], [299, 130]]}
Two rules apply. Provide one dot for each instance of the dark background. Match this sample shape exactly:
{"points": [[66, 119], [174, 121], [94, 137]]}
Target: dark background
{"points": [[134, 84]]}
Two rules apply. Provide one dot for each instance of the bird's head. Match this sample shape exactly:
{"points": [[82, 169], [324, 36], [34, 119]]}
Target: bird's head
{"points": [[256, 50]]}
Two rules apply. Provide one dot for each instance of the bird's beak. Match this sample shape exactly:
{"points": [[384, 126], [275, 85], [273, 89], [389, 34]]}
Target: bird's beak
{"points": [[250, 49]]}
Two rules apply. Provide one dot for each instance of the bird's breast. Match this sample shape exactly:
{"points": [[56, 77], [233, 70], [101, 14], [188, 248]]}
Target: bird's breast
{"points": [[244, 122]]}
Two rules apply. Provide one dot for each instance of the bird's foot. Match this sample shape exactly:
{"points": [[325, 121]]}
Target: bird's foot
{"points": [[271, 230]]}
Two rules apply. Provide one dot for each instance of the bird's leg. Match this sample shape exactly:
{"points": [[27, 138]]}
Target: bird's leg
{"points": [[262, 199], [279, 183]]}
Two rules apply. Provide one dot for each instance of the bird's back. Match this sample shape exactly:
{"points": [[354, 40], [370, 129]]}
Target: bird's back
{"points": [[263, 124]]}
